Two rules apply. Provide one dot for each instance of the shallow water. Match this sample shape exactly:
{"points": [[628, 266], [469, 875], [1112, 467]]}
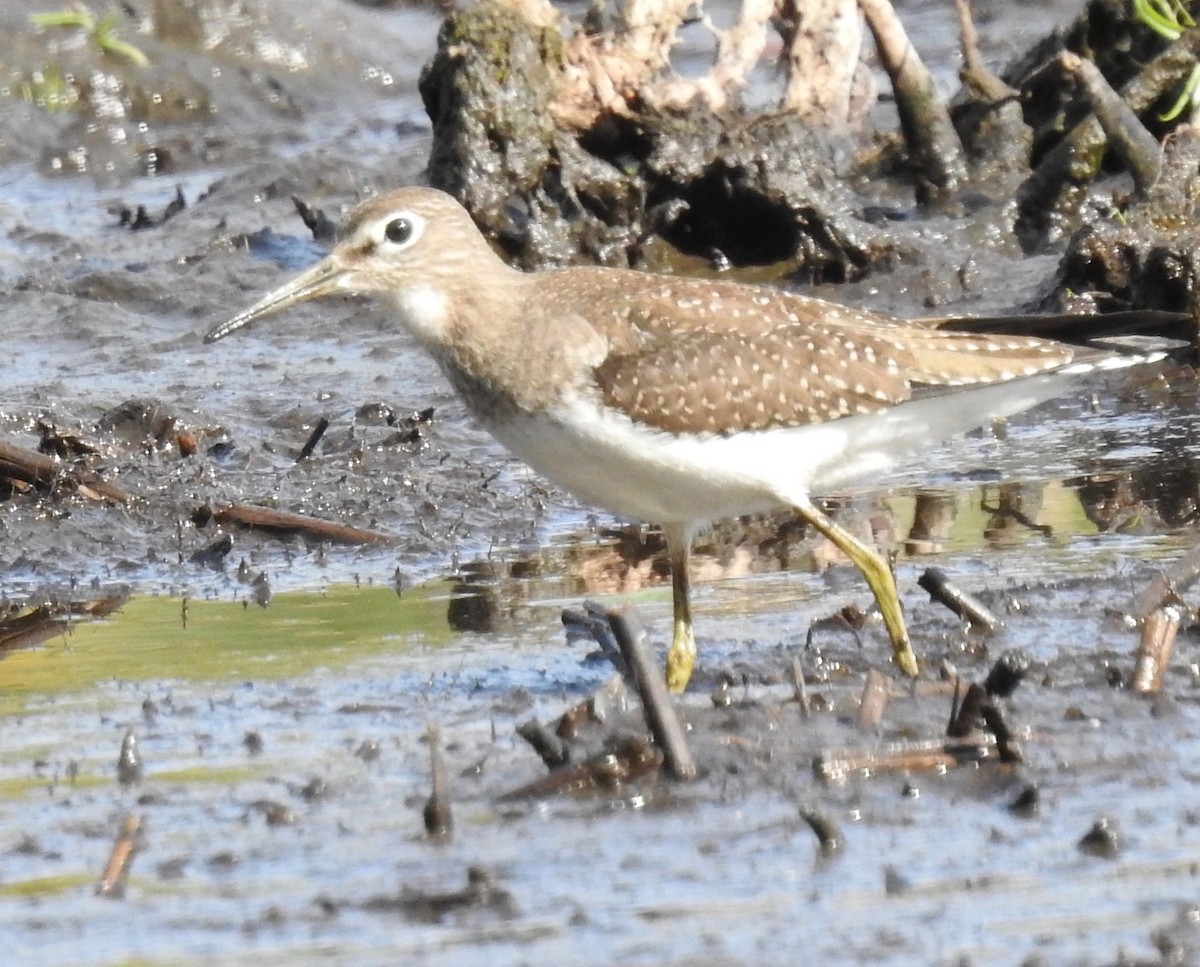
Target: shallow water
{"points": [[243, 857], [719, 871]]}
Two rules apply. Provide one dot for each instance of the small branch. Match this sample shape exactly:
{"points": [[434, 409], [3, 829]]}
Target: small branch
{"points": [[116, 870], [607, 773], [800, 687], [437, 814], [656, 703], [941, 589], [313, 439], [1137, 147], [1007, 746], [286, 523], [923, 755], [967, 713], [933, 144], [829, 836], [1154, 651], [551, 749], [31, 467], [1167, 584], [1076, 158], [975, 75]]}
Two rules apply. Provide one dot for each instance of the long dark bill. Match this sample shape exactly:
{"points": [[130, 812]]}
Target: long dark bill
{"points": [[322, 279]]}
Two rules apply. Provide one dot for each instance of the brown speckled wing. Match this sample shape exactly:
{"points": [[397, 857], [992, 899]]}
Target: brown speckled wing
{"points": [[723, 382], [717, 365]]}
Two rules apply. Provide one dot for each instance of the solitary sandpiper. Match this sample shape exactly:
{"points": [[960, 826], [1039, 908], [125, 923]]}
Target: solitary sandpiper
{"points": [[677, 401]]}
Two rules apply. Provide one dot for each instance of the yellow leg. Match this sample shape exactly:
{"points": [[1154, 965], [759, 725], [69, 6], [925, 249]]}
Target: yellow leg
{"points": [[879, 579], [681, 656]]}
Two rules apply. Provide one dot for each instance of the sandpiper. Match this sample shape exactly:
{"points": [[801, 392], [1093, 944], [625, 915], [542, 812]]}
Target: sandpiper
{"points": [[678, 401]]}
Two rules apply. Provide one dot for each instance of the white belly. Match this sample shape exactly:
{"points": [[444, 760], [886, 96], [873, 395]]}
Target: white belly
{"points": [[648, 475], [644, 474]]}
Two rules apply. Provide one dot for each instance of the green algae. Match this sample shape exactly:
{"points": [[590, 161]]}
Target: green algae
{"points": [[156, 638], [45, 886]]}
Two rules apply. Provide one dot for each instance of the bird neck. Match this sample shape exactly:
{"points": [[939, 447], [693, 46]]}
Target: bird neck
{"points": [[504, 348]]}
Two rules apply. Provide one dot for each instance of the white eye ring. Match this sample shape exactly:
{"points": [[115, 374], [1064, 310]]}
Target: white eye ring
{"points": [[402, 230]]}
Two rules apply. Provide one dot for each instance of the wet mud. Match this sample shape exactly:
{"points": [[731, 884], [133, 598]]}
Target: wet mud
{"points": [[218, 742]]}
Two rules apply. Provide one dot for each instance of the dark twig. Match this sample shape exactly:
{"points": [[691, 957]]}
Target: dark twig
{"points": [[323, 228], [437, 814], [656, 703], [313, 439], [941, 589], [968, 713], [829, 836], [1007, 746], [609, 772], [591, 619], [552, 750], [800, 687]]}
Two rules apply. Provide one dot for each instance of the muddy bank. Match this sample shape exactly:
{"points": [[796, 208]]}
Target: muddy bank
{"points": [[122, 273]]}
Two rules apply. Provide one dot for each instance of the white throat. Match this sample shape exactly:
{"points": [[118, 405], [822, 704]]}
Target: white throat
{"points": [[422, 309]]}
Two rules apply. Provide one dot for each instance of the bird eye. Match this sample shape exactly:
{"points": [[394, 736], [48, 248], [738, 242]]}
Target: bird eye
{"points": [[399, 230]]}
